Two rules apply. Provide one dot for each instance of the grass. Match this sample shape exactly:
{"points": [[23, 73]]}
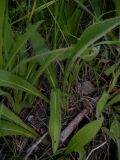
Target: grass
{"points": [[48, 50]]}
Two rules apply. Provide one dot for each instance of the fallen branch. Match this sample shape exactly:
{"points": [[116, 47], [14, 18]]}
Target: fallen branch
{"points": [[73, 124]]}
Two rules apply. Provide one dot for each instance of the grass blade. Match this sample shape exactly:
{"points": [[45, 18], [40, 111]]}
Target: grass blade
{"points": [[8, 129], [10, 80], [8, 114]]}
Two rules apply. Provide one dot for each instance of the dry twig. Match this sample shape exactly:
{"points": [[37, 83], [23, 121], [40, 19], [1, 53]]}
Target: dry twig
{"points": [[32, 148], [73, 124]]}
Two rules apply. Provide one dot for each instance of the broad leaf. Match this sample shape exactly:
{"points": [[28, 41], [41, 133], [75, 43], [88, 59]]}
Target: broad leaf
{"points": [[55, 119], [84, 136], [10, 80]]}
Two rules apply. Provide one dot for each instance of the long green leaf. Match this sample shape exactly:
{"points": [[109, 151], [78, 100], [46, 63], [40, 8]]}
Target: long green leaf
{"points": [[90, 36], [10, 80], [84, 136], [7, 129], [93, 33], [57, 54], [55, 119], [7, 113]]}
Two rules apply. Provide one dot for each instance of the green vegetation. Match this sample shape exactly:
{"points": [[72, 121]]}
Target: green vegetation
{"points": [[47, 48]]}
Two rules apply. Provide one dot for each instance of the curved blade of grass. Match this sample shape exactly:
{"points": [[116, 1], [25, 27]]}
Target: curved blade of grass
{"points": [[22, 41], [55, 119], [57, 54], [2, 13], [8, 129], [51, 56], [84, 136], [10, 80], [90, 36], [7, 113], [117, 43]]}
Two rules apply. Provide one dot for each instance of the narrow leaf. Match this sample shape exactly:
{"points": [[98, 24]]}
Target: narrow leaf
{"points": [[55, 119], [7, 113], [7, 129], [10, 80]]}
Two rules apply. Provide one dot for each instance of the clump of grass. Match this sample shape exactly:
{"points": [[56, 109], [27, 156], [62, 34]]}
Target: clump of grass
{"points": [[59, 40]]}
